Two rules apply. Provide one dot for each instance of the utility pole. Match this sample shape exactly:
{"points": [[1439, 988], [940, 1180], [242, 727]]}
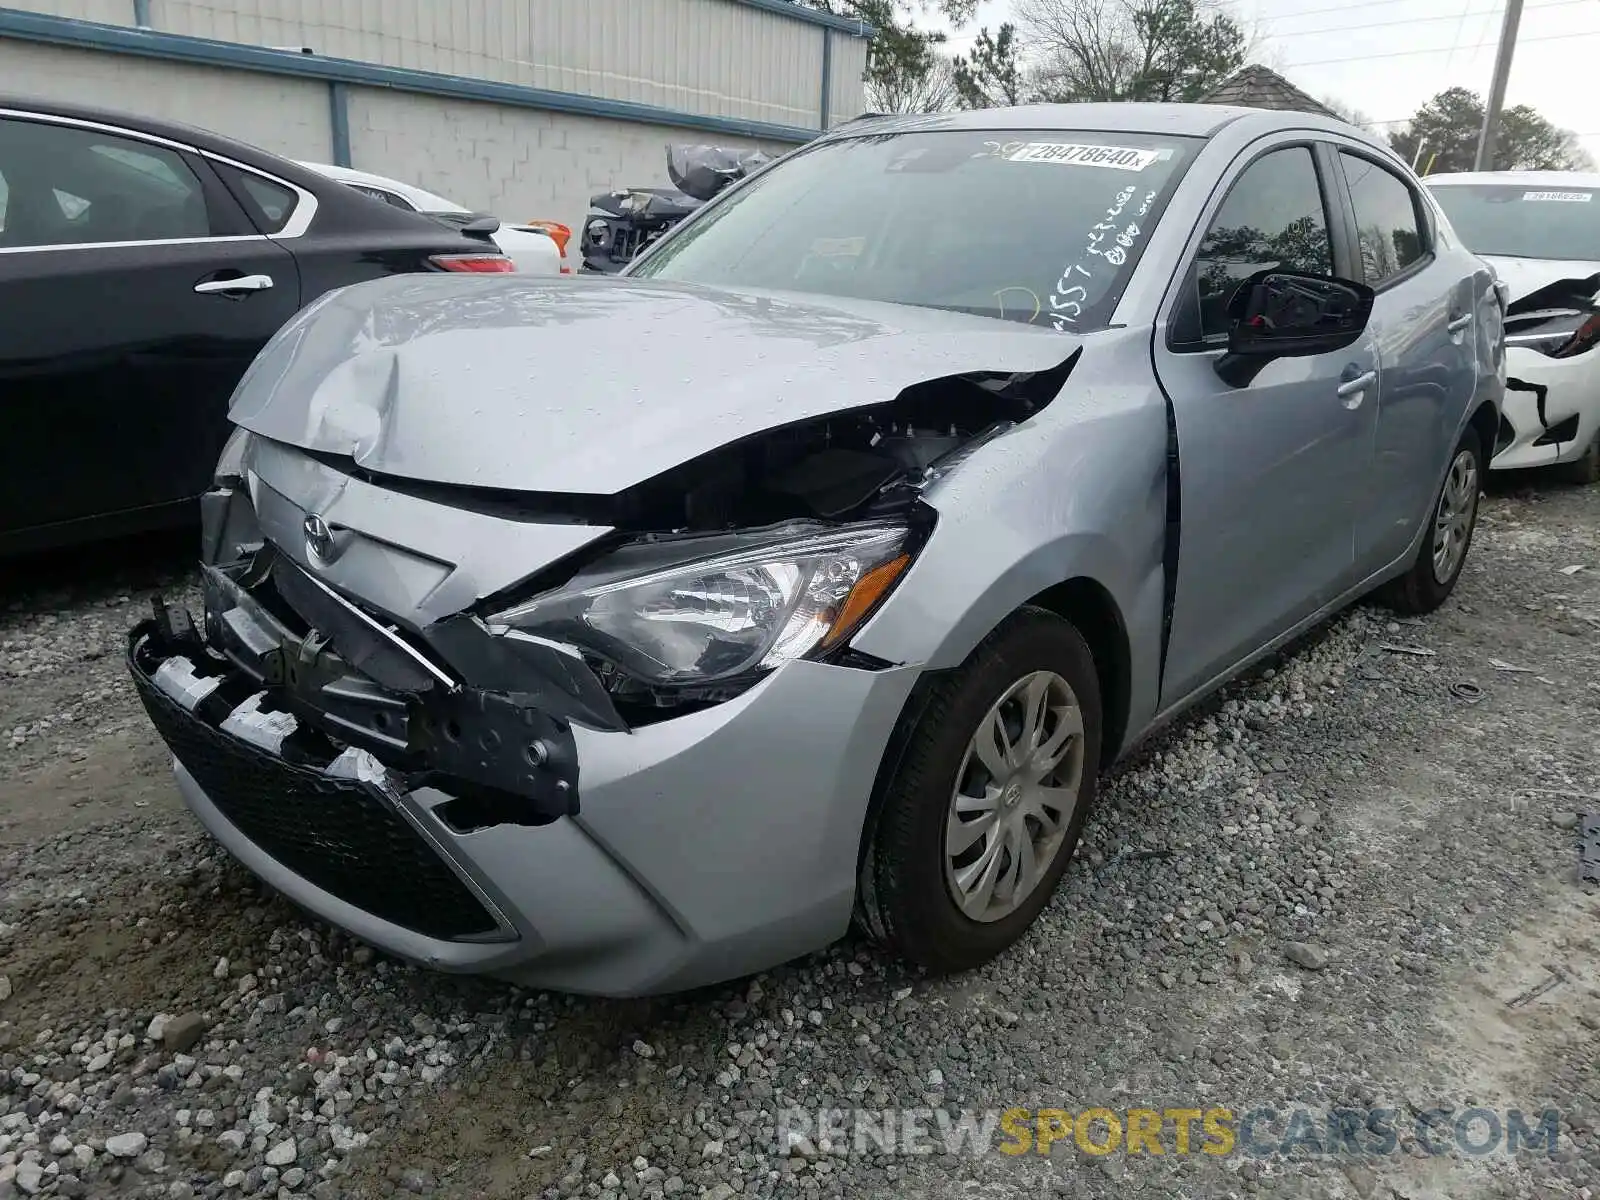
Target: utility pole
{"points": [[1497, 87]]}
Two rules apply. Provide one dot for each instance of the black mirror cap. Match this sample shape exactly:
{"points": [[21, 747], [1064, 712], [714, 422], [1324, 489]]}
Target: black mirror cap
{"points": [[1291, 314]]}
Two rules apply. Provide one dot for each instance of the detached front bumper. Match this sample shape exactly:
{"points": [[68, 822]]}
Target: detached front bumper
{"points": [[1560, 429], [693, 850]]}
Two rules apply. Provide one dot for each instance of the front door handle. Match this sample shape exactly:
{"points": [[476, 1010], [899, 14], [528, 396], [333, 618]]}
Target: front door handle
{"points": [[245, 283], [1353, 391], [1457, 324]]}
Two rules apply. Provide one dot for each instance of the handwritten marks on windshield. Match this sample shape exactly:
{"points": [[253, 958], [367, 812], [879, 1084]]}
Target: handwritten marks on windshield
{"points": [[1109, 242]]}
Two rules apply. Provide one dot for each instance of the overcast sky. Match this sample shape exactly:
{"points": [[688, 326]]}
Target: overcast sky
{"points": [[1386, 57]]}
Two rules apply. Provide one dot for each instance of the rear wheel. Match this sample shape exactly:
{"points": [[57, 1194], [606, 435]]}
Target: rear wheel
{"points": [[1438, 564], [986, 807]]}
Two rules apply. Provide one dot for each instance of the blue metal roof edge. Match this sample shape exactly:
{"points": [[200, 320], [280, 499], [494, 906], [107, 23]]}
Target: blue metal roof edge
{"points": [[801, 12], [122, 39]]}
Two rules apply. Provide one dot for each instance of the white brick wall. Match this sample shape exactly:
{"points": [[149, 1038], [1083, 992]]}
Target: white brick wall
{"points": [[517, 163], [285, 116]]}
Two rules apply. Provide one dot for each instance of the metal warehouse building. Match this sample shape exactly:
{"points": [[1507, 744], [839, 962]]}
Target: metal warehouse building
{"points": [[523, 108]]}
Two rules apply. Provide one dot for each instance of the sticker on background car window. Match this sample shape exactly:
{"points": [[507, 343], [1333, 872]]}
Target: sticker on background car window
{"points": [[1119, 158], [839, 247], [1570, 197]]}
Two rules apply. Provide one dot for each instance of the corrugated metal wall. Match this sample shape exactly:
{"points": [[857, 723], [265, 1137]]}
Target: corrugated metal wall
{"points": [[846, 94], [712, 57]]}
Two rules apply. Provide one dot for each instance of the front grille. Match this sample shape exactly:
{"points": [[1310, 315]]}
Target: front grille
{"points": [[342, 836]]}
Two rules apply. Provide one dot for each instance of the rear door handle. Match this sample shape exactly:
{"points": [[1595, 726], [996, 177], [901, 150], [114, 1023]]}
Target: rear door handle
{"points": [[1353, 391], [245, 283]]}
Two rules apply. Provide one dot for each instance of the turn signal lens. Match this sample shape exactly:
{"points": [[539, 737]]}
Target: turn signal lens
{"points": [[863, 597]]}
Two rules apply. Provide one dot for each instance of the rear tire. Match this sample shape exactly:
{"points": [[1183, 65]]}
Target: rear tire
{"points": [[949, 825], [1453, 518]]}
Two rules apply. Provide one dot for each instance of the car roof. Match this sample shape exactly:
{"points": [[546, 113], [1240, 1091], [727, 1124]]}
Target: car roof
{"points": [[423, 199], [1582, 179], [1181, 120], [172, 131]]}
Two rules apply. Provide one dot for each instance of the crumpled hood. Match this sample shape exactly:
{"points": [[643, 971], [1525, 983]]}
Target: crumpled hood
{"points": [[1527, 275], [590, 385]]}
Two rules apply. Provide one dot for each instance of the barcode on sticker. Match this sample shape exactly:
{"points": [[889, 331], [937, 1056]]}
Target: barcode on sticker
{"points": [[1569, 197], [1120, 158]]}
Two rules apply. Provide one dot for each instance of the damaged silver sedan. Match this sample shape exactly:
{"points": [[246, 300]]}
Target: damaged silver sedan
{"points": [[624, 635]]}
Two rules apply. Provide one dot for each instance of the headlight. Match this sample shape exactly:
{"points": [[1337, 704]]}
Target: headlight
{"points": [[731, 612]]}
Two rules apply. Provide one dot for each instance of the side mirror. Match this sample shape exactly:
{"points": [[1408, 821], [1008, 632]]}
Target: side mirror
{"points": [[1290, 314]]}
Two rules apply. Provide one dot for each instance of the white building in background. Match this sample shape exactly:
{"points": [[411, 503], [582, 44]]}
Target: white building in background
{"points": [[523, 108]]}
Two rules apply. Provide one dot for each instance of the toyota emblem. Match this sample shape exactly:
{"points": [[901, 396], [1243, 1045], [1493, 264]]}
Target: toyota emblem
{"points": [[320, 542]]}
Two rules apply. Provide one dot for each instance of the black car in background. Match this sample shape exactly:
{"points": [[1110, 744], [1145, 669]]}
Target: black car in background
{"points": [[142, 266]]}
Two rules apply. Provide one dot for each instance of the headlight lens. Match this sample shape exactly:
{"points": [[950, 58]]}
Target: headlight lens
{"points": [[734, 613]]}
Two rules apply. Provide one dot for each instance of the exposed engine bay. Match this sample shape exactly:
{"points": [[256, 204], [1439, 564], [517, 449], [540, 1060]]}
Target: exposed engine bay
{"points": [[1560, 319], [847, 465]]}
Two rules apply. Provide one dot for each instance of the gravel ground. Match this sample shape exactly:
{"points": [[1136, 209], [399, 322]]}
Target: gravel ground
{"points": [[1338, 884]]}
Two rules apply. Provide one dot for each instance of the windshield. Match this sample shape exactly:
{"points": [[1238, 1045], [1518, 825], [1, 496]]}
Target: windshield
{"points": [[1042, 228], [1518, 221]]}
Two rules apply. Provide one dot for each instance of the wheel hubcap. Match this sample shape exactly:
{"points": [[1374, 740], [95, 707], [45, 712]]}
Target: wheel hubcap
{"points": [[1452, 524], [1014, 796]]}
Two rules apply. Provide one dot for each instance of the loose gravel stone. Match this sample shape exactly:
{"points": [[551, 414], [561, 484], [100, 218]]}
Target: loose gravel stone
{"points": [[180, 1034], [1304, 954], [126, 1145]]}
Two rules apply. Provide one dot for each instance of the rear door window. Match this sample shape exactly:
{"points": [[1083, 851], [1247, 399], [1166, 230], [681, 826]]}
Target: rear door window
{"points": [[269, 203], [70, 186], [1388, 222]]}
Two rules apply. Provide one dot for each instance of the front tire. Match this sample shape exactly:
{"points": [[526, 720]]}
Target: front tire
{"points": [[1586, 470], [987, 804], [1443, 553]]}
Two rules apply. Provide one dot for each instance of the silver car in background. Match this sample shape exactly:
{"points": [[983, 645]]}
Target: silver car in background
{"points": [[623, 635]]}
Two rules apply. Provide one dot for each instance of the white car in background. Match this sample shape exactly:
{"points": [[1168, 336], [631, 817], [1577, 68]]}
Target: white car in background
{"points": [[536, 249], [1541, 232]]}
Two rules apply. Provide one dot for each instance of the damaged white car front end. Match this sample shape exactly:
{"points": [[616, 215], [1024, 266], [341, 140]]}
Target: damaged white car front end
{"points": [[1552, 406], [1541, 233]]}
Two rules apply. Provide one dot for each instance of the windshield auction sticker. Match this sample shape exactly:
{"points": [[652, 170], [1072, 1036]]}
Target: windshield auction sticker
{"points": [[1119, 158], [1569, 197]]}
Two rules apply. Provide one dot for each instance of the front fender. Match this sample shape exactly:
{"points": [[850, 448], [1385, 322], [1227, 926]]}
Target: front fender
{"points": [[1061, 497]]}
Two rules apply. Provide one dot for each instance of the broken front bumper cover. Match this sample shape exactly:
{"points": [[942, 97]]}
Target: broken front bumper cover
{"points": [[339, 672], [307, 741], [708, 845], [339, 825]]}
